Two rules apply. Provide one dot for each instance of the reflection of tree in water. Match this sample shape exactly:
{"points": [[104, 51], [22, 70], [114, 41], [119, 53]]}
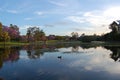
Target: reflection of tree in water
{"points": [[87, 46], [14, 55], [115, 55], [35, 52], [75, 49], [8, 54]]}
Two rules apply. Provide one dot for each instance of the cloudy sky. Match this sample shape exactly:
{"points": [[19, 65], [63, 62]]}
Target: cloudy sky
{"points": [[61, 17]]}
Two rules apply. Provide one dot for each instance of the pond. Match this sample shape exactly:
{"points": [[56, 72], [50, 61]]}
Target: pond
{"points": [[61, 62]]}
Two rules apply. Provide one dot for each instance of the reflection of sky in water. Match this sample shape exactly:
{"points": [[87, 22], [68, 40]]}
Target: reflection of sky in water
{"points": [[99, 61], [74, 64]]}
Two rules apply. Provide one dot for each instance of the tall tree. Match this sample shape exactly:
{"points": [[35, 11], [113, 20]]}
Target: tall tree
{"points": [[14, 32], [114, 26], [35, 34], [0, 27], [0, 30], [5, 36], [74, 35]]}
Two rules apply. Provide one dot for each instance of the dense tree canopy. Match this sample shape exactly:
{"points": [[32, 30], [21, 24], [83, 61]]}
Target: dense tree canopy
{"points": [[74, 35], [13, 32], [35, 34], [3, 34]]}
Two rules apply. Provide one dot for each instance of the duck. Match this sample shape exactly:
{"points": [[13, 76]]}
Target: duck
{"points": [[59, 57]]}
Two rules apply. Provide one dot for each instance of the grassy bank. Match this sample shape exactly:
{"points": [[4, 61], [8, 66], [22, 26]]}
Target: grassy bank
{"points": [[13, 43], [58, 42]]}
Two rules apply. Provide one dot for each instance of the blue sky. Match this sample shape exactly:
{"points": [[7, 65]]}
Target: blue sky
{"points": [[61, 17]]}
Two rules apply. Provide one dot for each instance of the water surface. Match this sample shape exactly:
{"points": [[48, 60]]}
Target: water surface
{"points": [[60, 63]]}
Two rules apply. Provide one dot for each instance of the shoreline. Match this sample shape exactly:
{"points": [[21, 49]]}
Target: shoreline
{"points": [[93, 43]]}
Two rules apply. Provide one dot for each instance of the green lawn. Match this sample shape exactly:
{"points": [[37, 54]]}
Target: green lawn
{"points": [[13, 43], [56, 42]]}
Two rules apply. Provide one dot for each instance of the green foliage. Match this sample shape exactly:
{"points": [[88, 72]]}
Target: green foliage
{"points": [[35, 34], [111, 37], [14, 32], [87, 38], [0, 27], [74, 35], [5, 36], [0, 30]]}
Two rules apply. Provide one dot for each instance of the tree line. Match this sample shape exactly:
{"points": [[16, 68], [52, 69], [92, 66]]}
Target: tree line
{"points": [[33, 34], [12, 33], [113, 35]]}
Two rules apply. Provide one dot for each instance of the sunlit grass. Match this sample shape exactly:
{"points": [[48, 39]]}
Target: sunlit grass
{"points": [[13, 43], [56, 42]]}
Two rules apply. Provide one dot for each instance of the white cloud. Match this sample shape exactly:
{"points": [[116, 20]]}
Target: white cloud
{"points": [[39, 13], [65, 7], [88, 68], [58, 3], [12, 11], [49, 25], [28, 18], [82, 29], [76, 19], [98, 61], [113, 13], [98, 20], [25, 27]]}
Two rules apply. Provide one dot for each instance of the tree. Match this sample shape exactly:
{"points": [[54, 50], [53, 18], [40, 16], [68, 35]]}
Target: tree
{"points": [[28, 33], [74, 35], [0, 30], [14, 32], [0, 27], [5, 36], [114, 35], [114, 26], [34, 34]]}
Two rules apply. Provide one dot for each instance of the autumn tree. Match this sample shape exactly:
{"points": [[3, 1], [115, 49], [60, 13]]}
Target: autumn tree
{"points": [[0, 30], [3, 34], [0, 27], [14, 32]]}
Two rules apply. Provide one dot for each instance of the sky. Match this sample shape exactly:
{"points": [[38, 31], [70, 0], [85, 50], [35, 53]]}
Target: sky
{"points": [[61, 17]]}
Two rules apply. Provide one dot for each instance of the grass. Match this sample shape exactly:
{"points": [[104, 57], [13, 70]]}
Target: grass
{"points": [[13, 43], [57, 42]]}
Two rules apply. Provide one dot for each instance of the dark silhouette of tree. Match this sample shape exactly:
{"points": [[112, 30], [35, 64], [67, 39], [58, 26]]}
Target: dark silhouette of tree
{"points": [[115, 55], [114, 35], [114, 26]]}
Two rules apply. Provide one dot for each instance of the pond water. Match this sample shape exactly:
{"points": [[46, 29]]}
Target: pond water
{"points": [[60, 63]]}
